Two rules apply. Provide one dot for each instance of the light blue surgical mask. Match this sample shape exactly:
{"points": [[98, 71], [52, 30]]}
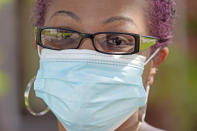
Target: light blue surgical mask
{"points": [[91, 91]]}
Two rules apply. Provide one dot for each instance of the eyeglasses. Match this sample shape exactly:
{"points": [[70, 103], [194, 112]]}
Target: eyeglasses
{"points": [[115, 43]]}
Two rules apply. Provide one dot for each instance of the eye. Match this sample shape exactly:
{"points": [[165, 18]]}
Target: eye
{"points": [[115, 43], [120, 41], [117, 40]]}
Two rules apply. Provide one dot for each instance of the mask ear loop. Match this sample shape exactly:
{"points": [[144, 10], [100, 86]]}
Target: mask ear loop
{"points": [[142, 110], [27, 104], [152, 56]]}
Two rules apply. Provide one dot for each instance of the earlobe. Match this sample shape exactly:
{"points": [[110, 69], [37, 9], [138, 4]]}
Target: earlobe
{"points": [[151, 76], [160, 57]]}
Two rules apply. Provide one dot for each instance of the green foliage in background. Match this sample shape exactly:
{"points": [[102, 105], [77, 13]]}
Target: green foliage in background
{"points": [[176, 85], [192, 25], [3, 83], [2, 2], [3, 77]]}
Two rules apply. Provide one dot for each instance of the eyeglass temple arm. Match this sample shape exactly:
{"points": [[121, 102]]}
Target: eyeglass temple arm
{"points": [[146, 42]]}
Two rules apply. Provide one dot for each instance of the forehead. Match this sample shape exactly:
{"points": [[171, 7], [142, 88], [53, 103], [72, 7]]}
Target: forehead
{"points": [[103, 6], [94, 12]]}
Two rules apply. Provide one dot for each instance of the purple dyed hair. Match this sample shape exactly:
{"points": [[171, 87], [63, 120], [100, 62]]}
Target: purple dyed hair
{"points": [[161, 18]]}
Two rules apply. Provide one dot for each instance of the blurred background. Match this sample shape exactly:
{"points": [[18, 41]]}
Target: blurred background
{"points": [[173, 97]]}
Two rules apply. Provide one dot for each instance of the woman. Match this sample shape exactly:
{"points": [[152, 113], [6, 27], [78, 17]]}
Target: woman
{"points": [[98, 59]]}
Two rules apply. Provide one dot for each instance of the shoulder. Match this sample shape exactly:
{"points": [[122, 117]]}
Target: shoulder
{"points": [[146, 127]]}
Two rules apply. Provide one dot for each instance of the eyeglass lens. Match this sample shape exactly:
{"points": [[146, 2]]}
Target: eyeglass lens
{"points": [[105, 42]]}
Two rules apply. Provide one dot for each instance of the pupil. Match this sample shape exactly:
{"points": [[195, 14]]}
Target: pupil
{"points": [[117, 41]]}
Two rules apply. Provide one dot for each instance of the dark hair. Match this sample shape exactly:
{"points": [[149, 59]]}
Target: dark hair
{"points": [[161, 14]]}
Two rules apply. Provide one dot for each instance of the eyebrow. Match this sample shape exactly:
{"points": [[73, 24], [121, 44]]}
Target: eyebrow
{"points": [[118, 18], [67, 13], [77, 18]]}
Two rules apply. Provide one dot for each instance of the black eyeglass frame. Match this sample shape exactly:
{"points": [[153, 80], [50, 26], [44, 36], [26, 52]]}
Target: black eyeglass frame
{"points": [[39, 29]]}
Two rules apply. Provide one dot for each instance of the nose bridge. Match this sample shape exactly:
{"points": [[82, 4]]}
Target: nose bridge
{"points": [[86, 43]]}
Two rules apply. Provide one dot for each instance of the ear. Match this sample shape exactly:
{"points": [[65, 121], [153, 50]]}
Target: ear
{"points": [[158, 59]]}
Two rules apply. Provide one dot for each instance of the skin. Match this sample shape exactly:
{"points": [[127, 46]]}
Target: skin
{"points": [[92, 16]]}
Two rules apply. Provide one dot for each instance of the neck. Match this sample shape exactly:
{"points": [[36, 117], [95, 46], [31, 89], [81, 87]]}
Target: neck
{"points": [[61, 128], [137, 128]]}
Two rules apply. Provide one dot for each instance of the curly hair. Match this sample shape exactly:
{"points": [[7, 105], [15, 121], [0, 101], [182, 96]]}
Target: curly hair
{"points": [[161, 15]]}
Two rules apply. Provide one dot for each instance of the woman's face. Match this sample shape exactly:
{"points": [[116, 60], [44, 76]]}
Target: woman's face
{"points": [[90, 16]]}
